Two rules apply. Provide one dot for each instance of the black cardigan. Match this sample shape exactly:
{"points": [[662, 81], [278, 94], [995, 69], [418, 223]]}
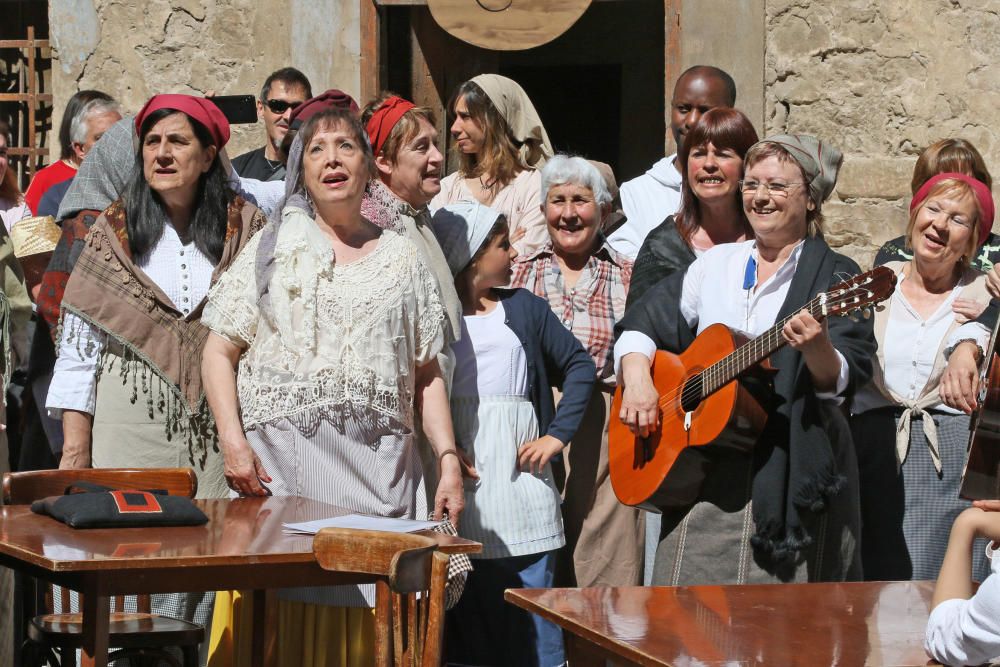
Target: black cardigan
{"points": [[555, 358], [795, 472], [662, 253]]}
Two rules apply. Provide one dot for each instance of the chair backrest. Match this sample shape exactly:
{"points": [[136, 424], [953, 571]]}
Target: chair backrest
{"points": [[21, 488], [410, 588]]}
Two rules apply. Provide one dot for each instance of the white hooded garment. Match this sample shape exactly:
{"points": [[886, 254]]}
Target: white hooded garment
{"points": [[647, 201]]}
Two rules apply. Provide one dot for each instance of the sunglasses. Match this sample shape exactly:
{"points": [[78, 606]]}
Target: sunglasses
{"points": [[280, 106]]}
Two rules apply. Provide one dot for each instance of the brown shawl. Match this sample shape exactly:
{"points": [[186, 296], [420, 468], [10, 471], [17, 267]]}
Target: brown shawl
{"points": [[110, 292]]}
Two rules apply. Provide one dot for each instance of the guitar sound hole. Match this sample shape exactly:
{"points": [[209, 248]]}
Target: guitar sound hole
{"points": [[691, 394]]}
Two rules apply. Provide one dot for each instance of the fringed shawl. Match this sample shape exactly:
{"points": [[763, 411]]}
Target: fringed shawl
{"points": [[108, 290]]}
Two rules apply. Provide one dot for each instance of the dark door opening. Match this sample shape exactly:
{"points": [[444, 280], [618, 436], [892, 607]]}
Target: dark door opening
{"points": [[599, 88]]}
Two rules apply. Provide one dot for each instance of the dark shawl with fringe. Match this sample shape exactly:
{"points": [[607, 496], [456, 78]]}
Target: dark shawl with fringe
{"points": [[795, 474], [108, 290]]}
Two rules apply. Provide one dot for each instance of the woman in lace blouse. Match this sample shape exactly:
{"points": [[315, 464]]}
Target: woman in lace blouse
{"points": [[324, 341]]}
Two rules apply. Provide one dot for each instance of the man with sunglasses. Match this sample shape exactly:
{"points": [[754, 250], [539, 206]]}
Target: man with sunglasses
{"points": [[284, 90]]}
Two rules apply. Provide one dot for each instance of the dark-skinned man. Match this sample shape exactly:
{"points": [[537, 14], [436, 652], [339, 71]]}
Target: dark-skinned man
{"points": [[648, 199]]}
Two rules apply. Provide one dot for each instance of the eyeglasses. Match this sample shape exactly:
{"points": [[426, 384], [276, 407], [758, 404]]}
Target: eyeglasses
{"points": [[280, 106], [776, 190]]}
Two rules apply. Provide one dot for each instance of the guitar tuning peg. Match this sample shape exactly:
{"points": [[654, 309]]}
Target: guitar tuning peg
{"points": [[879, 308]]}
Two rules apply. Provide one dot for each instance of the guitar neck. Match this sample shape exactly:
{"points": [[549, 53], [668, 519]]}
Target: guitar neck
{"points": [[753, 351]]}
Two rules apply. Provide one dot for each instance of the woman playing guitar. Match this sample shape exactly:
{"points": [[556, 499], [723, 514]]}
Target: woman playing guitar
{"points": [[802, 523]]}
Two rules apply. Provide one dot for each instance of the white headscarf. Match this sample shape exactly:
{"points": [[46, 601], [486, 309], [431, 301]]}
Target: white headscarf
{"points": [[461, 230], [516, 108]]}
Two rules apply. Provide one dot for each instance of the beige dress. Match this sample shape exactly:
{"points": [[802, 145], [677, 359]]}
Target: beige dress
{"points": [[520, 201]]}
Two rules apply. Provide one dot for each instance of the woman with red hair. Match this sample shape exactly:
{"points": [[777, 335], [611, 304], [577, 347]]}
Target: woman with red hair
{"points": [[711, 163]]}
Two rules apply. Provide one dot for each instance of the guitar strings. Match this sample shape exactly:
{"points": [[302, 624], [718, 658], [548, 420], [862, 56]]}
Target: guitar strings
{"points": [[689, 391]]}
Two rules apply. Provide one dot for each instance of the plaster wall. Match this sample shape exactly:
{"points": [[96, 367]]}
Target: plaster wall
{"points": [[133, 50]]}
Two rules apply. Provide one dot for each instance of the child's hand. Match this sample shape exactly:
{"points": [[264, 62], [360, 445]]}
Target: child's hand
{"points": [[981, 523], [534, 455], [987, 505], [468, 465]]}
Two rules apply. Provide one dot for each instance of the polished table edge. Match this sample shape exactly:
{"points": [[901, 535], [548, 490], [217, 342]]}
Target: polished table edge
{"points": [[8, 551], [523, 598], [629, 651], [446, 543]]}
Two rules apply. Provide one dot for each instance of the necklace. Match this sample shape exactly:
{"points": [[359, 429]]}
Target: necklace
{"points": [[487, 186]]}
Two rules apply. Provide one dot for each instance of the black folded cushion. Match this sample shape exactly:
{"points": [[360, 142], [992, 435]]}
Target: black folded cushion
{"points": [[121, 508]]}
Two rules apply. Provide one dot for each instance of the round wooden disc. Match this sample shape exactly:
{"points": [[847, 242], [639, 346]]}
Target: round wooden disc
{"points": [[507, 25]]}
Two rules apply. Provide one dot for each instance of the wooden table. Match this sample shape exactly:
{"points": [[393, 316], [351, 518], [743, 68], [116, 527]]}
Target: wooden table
{"points": [[711, 626], [241, 548]]}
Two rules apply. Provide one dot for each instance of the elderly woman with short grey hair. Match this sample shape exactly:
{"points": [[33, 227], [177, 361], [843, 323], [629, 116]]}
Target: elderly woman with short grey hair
{"points": [[585, 282]]}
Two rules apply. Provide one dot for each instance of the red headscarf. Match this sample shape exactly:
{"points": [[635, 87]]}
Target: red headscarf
{"points": [[201, 109], [983, 196], [331, 99], [382, 121]]}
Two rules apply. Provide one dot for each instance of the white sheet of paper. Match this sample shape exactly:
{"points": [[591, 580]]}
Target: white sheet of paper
{"points": [[360, 522]]}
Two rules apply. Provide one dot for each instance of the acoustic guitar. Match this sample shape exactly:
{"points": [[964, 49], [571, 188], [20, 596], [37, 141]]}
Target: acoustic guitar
{"points": [[703, 402], [981, 478]]}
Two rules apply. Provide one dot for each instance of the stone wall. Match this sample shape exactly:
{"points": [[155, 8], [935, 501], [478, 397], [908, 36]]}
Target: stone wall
{"points": [[133, 50], [882, 79]]}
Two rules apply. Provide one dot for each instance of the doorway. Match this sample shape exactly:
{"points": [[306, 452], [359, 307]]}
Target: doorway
{"points": [[599, 87]]}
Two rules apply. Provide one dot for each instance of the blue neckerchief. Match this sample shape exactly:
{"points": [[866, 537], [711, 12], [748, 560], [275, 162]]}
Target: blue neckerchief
{"points": [[750, 275]]}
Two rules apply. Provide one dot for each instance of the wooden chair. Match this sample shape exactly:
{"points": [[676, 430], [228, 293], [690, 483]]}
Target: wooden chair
{"points": [[142, 634], [410, 588]]}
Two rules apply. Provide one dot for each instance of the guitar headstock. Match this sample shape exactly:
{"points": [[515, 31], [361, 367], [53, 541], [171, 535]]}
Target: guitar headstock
{"points": [[859, 293]]}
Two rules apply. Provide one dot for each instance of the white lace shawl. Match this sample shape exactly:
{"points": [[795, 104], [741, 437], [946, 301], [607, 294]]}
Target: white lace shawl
{"points": [[344, 339]]}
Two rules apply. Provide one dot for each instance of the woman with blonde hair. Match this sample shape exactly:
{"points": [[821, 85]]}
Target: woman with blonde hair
{"points": [[909, 422], [946, 155], [501, 146]]}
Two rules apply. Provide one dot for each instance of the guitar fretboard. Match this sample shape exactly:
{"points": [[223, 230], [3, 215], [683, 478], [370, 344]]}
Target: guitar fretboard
{"points": [[752, 352]]}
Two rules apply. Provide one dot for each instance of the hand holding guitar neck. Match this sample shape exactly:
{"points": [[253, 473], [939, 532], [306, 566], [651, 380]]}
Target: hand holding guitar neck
{"points": [[812, 339]]}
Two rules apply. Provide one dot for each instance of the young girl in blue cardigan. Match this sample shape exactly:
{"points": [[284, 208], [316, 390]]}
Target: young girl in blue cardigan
{"points": [[512, 352]]}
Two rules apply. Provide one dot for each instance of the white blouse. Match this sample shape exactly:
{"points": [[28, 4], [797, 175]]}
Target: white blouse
{"points": [[489, 358], [721, 287], [182, 271], [967, 632], [11, 212], [341, 336], [265, 195], [909, 361]]}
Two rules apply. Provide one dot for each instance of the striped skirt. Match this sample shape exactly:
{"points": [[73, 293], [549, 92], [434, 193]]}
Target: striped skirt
{"points": [[907, 510]]}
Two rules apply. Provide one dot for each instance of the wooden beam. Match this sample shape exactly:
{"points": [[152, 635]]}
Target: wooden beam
{"points": [[371, 45], [25, 97], [24, 43], [671, 62]]}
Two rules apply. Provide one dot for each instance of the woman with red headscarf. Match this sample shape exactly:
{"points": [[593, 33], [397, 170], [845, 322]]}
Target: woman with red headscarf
{"points": [[127, 383], [409, 167], [910, 423], [133, 302]]}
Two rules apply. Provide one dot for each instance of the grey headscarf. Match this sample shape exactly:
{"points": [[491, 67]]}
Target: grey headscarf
{"points": [[461, 229], [104, 173], [820, 162]]}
